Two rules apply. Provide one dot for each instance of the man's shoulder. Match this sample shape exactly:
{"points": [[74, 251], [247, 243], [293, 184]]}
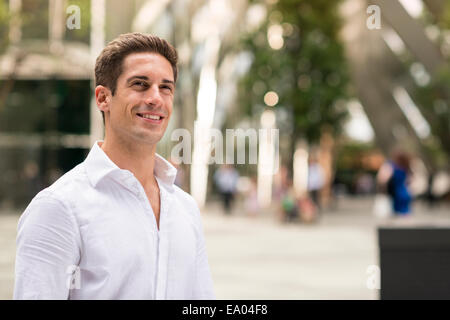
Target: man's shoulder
{"points": [[55, 203], [183, 196], [186, 200]]}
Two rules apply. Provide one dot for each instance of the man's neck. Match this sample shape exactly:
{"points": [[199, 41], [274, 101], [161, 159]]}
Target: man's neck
{"points": [[137, 158]]}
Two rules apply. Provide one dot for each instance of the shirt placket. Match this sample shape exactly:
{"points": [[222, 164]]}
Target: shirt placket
{"points": [[161, 246]]}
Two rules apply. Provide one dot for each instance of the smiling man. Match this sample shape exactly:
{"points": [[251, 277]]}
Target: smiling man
{"points": [[116, 226]]}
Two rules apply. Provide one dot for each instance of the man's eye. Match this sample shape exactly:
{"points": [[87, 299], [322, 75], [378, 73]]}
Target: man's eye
{"points": [[140, 84], [166, 88]]}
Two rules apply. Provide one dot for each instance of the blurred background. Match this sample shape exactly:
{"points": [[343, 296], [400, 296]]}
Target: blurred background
{"points": [[358, 90]]}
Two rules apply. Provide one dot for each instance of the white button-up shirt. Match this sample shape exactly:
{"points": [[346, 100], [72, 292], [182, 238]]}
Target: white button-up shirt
{"points": [[93, 235]]}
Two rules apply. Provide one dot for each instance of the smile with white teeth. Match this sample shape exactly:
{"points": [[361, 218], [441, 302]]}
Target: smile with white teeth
{"points": [[150, 116]]}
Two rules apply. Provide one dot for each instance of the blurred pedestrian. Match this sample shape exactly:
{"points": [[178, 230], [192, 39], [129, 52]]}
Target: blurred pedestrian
{"points": [[429, 195], [280, 183], [365, 183], [226, 178], [383, 175], [397, 184], [289, 208], [308, 211], [316, 180], [251, 201]]}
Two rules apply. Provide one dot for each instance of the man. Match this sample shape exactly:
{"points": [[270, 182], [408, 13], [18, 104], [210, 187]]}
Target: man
{"points": [[226, 178], [116, 226]]}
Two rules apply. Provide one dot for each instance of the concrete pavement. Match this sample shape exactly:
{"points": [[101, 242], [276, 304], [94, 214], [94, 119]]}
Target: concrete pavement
{"points": [[8, 224]]}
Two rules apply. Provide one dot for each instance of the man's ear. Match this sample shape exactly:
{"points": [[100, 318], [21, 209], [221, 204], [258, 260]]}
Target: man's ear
{"points": [[103, 98]]}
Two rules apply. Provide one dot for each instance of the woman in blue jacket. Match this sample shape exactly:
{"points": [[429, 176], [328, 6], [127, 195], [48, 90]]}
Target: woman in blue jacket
{"points": [[398, 184]]}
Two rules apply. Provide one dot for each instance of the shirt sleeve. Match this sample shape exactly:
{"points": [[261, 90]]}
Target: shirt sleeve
{"points": [[203, 289], [47, 251]]}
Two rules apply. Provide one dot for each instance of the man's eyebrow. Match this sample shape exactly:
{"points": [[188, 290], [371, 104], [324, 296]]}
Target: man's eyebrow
{"points": [[146, 78], [168, 81], [136, 77]]}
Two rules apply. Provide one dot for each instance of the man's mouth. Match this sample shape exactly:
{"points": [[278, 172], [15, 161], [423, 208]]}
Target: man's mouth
{"points": [[154, 118]]}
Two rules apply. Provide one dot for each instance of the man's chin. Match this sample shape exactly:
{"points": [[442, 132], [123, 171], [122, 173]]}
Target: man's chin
{"points": [[148, 138]]}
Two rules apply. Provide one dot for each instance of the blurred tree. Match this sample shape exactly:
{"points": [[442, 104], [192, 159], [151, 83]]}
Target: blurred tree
{"points": [[435, 100], [4, 26], [7, 18], [444, 23], [298, 55], [434, 97], [34, 18]]}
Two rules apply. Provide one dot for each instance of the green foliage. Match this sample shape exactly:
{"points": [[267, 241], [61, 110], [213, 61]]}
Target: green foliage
{"points": [[435, 99], [4, 25], [309, 73], [38, 106], [445, 21], [34, 16], [350, 154]]}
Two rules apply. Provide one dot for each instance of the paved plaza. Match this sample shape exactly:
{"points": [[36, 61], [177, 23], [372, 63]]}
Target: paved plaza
{"points": [[261, 258]]}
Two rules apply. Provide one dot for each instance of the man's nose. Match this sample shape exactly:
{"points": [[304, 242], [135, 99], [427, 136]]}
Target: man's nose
{"points": [[153, 96]]}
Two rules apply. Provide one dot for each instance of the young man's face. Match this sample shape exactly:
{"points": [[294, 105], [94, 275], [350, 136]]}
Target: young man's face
{"points": [[141, 107]]}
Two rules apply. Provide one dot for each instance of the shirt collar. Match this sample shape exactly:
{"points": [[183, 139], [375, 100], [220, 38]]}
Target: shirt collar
{"points": [[99, 165]]}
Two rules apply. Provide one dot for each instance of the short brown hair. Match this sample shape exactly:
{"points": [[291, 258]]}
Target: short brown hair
{"points": [[108, 66]]}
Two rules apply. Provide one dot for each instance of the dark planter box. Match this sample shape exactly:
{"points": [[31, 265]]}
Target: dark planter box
{"points": [[414, 262]]}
